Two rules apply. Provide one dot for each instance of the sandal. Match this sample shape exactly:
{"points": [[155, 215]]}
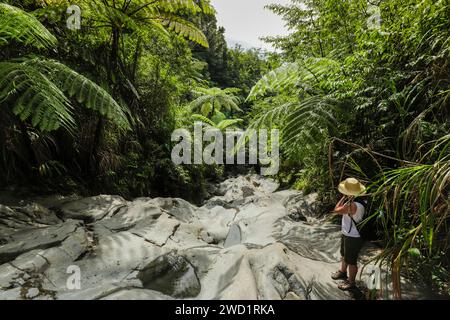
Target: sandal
{"points": [[338, 275], [346, 286]]}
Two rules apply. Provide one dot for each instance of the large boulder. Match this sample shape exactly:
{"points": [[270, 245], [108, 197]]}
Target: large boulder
{"points": [[92, 208]]}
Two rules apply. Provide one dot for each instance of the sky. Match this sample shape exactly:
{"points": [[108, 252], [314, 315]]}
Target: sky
{"points": [[245, 21]]}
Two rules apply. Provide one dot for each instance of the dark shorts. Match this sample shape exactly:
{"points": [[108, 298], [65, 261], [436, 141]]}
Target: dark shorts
{"points": [[350, 248]]}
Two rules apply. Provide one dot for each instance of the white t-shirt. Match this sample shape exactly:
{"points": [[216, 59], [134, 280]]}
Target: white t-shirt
{"points": [[347, 221]]}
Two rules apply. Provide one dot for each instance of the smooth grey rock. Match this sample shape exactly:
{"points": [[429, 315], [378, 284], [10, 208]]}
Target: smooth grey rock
{"points": [[92, 208], [158, 232], [292, 296], [205, 236], [233, 237], [11, 294], [172, 275], [241, 244], [38, 238], [32, 293], [137, 294]]}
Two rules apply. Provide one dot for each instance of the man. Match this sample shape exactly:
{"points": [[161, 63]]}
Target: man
{"points": [[352, 213]]}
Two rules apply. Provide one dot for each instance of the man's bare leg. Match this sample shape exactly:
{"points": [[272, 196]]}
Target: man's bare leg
{"points": [[353, 270], [343, 266]]}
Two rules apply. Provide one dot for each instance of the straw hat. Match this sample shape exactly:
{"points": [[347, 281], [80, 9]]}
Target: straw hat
{"points": [[351, 187]]}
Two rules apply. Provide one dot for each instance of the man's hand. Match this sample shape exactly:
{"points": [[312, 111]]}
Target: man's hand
{"points": [[340, 203], [345, 208]]}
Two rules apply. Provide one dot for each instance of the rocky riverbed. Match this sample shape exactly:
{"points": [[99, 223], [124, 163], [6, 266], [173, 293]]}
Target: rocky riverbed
{"points": [[249, 241]]}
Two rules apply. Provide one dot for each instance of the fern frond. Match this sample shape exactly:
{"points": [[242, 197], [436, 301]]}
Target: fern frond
{"points": [[210, 99], [300, 123], [34, 96], [275, 80], [221, 125], [201, 118], [224, 124], [176, 5], [84, 90], [20, 26], [206, 7], [293, 75], [38, 89], [185, 29]]}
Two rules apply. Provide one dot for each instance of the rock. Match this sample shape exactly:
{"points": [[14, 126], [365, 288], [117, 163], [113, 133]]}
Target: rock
{"points": [[245, 186], [205, 236], [11, 294], [31, 261], [172, 275], [19, 219], [250, 241], [38, 214], [137, 294], [178, 208], [32, 293], [292, 296], [247, 192], [297, 216], [38, 238], [92, 208], [233, 237], [158, 232]]}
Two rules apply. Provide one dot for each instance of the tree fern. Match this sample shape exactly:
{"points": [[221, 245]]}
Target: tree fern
{"points": [[301, 123], [185, 29], [213, 100], [309, 118], [157, 14], [86, 92], [221, 125], [293, 75], [20, 26], [34, 96], [39, 91]]}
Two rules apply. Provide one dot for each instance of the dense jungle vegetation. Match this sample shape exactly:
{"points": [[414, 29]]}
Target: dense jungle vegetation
{"points": [[92, 110]]}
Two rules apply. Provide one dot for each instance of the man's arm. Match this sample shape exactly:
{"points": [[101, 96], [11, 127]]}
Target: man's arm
{"points": [[347, 208], [340, 202]]}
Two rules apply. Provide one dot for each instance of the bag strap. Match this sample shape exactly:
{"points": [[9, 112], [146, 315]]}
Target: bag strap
{"points": [[351, 223]]}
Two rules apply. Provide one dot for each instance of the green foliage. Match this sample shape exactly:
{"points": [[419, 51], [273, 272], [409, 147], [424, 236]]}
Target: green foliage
{"points": [[135, 50], [38, 88], [139, 15], [213, 100], [245, 67], [220, 124], [36, 97], [372, 103], [24, 28]]}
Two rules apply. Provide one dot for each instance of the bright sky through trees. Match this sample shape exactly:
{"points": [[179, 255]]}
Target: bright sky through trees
{"points": [[246, 21]]}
